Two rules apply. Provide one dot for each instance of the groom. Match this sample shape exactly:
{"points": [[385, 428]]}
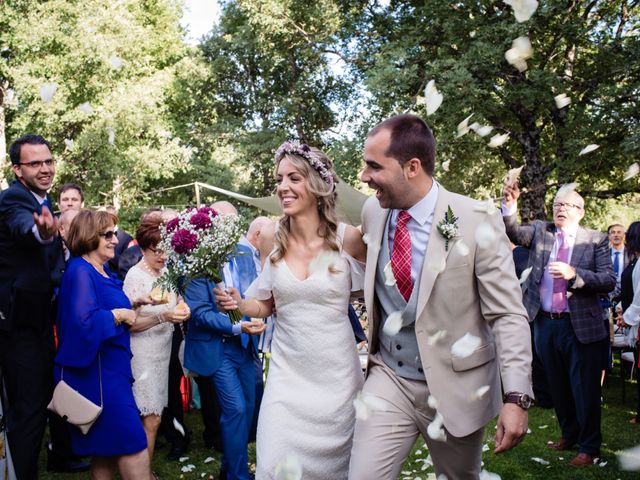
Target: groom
{"points": [[461, 353]]}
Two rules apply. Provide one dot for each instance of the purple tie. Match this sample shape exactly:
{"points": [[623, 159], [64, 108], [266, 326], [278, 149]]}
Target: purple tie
{"points": [[559, 299]]}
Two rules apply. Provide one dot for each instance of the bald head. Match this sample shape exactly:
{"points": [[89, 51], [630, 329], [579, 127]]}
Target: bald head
{"points": [[253, 234], [223, 206], [168, 214], [66, 218]]}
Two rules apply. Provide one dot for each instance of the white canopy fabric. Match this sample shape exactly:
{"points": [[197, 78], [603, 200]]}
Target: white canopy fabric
{"points": [[350, 201]]}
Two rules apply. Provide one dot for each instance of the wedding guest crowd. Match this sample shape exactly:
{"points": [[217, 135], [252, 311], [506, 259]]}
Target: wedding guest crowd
{"points": [[123, 343]]}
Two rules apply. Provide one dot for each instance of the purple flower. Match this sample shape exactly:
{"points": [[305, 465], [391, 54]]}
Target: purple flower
{"points": [[172, 224], [200, 220], [184, 241], [207, 211]]}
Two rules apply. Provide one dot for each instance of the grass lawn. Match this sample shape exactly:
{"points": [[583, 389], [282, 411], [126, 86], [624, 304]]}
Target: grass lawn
{"points": [[617, 433]]}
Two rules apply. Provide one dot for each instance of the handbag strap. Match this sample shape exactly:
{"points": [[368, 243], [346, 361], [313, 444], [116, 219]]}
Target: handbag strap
{"points": [[99, 376]]}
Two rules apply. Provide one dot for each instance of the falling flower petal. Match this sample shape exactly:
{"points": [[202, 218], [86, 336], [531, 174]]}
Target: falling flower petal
{"points": [[541, 461], [323, 262], [111, 135], [178, 426], [445, 165], [436, 337], [432, 402], [488, 206], [465, 346], [485, 235], [498, 140], [588, 149], [209, 460], [562, 100], [85, 107], [367, 404], [463, 126], [479, 393], [602, 463], [522, 9], [389, 279], [512, 176], [483, 130], [630, 459], [289, 468], [525, 274], [393, 324], [47, 91], [462, 248], [632, 171], [437, 266], [143, 376], [432, 97], [68, 143], [435, 430], [115, 62], [486, 475], [366, 238], [566, 189], [519, 52]]}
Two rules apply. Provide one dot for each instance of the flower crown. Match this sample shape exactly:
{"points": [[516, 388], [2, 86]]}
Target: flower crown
{"points": [[294, 147]]}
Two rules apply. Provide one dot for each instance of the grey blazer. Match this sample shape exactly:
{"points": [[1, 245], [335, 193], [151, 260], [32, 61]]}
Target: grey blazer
{"points": [[594, 274]]}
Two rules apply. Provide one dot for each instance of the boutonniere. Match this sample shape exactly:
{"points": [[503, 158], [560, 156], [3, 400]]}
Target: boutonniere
{"points": [[448, 227]]}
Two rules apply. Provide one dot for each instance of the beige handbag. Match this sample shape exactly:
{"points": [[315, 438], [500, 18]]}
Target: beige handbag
{"points": [[74, 407]]}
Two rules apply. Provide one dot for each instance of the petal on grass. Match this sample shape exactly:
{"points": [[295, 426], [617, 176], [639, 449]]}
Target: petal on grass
{"points": [[539, 460]]}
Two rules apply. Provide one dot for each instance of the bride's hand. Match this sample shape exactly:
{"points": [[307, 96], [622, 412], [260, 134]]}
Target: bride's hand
{"points": [[254, 327], [227, 299]]}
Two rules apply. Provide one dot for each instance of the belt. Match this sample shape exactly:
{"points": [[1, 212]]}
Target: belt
{"points": [[555, 316]]}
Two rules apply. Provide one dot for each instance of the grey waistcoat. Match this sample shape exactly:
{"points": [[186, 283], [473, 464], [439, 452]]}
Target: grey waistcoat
{"points": [[399, 352]]}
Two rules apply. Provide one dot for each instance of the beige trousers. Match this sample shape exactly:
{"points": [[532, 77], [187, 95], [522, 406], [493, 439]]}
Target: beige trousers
{"points": [[382, 443]]}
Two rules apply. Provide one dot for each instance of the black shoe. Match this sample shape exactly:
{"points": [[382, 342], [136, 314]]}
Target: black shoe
{"points": [[176, 452], [70, 466]]}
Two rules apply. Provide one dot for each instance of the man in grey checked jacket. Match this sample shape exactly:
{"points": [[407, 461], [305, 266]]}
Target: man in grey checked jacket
{"points": [[570, 268]]}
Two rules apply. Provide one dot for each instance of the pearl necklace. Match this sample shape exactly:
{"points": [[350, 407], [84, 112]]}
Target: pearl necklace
{"points": [[147, 268]]}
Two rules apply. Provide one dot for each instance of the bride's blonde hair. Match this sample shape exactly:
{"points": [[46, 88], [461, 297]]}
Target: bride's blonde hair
{"points": [[317, 169]]}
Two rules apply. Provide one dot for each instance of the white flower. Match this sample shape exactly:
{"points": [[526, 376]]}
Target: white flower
{"points": [[432, 97], [367, 404], [522, 9], [463, 126], [632, 171], [498, 140], [393, 324], [465, 345], [562, 100], [588, 149], [47, 91], [519, 52]]}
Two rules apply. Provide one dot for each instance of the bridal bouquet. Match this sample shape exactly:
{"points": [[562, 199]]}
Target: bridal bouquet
{"points": [[198, 243]]}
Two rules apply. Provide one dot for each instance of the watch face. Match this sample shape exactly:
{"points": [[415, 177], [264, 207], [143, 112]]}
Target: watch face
{"points": [[525, 400]]}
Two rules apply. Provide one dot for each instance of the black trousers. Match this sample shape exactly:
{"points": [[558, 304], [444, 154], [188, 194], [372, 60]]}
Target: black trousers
{"points": [[174, 404], [573, 371], [26, 362]]}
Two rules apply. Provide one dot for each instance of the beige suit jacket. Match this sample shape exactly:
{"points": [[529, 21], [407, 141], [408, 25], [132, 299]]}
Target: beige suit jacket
{"points": [[476, 293]]}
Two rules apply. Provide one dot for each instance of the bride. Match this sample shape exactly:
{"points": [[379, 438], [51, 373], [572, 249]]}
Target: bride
{"points": [[307, 414]]}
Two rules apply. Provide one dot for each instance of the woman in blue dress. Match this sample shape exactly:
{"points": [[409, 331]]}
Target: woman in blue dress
{"points": [[94, 356]]}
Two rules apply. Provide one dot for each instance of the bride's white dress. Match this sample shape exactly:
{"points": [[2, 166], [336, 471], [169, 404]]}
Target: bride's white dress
{"points": [[307, 414]]}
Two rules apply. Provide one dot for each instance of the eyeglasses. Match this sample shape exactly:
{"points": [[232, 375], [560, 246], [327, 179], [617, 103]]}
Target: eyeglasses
{"points": [[559, 205], [49, 162], [156, 251], [109, 234]]}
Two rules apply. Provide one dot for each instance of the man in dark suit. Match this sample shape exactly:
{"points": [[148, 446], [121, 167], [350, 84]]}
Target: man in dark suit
{"points": [[31, 264], [571, 267], [225, 353], [620, 256]]}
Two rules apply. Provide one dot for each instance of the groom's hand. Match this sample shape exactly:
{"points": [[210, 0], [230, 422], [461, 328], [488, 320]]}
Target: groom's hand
{"points": [[512, 427]]}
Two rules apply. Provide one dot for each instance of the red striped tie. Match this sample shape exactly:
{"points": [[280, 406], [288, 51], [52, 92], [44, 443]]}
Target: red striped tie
{"points": [[401, 256]]}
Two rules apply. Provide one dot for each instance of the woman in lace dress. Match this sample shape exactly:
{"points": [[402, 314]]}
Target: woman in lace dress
{"points": [[151, 334], [307, 414]]}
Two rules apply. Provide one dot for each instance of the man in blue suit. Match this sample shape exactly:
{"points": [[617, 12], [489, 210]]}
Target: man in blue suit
{"points": [[31, 264], [225, 353]]}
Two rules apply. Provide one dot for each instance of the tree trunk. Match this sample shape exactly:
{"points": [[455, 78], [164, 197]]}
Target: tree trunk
{"points": [[3, 136], [534, 175]]}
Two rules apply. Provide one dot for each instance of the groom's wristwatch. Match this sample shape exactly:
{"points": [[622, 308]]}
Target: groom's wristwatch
{"points": [[521, 399]]}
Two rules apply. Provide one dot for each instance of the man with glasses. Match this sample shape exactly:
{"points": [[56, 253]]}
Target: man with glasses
{"points": [[31, 264], [570, 269]]}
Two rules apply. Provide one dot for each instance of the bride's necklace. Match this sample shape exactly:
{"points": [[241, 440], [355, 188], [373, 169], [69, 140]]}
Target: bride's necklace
{"points": [[97, 266], [147, 268]]}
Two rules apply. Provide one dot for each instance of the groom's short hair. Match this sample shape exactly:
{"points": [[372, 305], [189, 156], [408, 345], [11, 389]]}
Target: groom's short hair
{"points": [[411, 138]]}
